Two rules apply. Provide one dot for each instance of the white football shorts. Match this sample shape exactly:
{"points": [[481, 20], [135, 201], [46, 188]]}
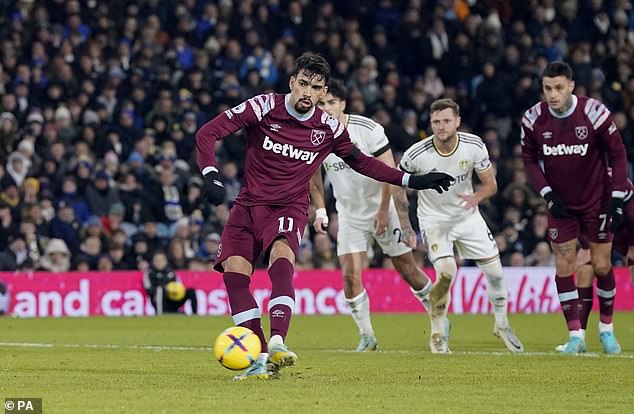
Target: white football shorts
{"points": [[471, 237], [355, 235]]}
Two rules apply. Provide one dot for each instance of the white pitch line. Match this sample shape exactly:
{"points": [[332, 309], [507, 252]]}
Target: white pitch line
{"points": [[104, 346], [492, 353], [382, 351]]}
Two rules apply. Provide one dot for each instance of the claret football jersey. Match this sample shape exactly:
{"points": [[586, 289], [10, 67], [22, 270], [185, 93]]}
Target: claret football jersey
{"points": [[284, 147], [571, 152]]}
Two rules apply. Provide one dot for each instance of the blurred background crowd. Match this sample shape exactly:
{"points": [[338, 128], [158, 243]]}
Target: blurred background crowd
{"points": [[101, 100]]}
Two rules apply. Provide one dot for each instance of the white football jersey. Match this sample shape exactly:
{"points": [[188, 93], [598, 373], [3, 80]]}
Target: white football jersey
{"points": [[358, 196], [421, 158]]}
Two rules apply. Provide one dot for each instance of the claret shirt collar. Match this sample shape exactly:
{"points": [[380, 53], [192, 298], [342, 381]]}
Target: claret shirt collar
{"points": [[568, 112]]}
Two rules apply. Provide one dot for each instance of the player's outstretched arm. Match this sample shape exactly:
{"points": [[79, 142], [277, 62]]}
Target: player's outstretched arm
{"points": [[373, 168], [434, 180], [317, 196]]}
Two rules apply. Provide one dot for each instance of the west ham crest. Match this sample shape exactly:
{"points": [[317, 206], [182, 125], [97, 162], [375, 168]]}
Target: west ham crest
{"points": [[553, 233], [581, 132], [317, 136]]}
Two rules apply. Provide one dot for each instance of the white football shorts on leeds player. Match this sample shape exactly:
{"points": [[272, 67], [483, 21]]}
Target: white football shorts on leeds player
{"points": [[471, 236], [355, 235]]}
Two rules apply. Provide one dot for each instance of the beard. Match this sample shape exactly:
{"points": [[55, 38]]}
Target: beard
{"points": [[301, 109]]}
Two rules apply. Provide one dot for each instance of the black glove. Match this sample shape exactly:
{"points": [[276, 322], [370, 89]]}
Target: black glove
{"points": [[556, 206], [438, 181], [214, 189], [616, 213]]}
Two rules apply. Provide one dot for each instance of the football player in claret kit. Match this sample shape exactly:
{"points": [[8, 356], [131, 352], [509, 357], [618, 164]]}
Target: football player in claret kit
{"points": [[288, 138], [453, 219], [568, 144], [623, 244], [366, 211]]}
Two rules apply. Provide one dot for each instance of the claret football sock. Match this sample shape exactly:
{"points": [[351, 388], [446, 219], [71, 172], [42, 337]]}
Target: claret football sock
{"points": [[244, 308], [282, 300], [606, 290], [585, 305], [569, 298]]}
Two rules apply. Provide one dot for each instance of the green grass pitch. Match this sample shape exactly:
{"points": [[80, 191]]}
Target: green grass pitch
{"points": [[165, 365]]}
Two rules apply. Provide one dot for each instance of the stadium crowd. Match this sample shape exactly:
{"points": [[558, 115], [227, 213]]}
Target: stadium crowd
{"points": [[100, 103]]}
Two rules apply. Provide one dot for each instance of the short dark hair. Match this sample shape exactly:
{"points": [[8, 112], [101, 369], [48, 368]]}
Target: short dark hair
{"points": [[441, 104], [314, 64], [557, 68], [337, 89]]}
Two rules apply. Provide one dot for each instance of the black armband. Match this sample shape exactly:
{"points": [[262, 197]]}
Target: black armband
{"points": [[354, 155], [381, 151]]}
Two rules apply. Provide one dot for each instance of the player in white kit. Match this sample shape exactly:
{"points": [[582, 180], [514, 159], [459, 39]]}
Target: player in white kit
{"points": [[366, 211], [453, 218]]}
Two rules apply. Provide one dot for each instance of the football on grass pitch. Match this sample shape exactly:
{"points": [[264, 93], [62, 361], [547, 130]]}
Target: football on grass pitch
{"points": [[237, 347]]}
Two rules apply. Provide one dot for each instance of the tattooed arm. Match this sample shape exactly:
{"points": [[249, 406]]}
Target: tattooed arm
{"points": [[402, 207]]}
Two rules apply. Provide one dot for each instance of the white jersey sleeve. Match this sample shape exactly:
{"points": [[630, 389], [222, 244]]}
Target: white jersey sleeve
{"points": [[358, 197], [378, 142]]}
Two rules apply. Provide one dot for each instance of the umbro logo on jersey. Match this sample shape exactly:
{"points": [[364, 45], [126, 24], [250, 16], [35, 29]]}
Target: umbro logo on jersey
{"points": [[563, 149], [275, 127], [547, 135], [288, 150]]}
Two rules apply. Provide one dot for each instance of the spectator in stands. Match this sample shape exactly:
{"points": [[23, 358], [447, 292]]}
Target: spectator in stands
{"points": [[71, 196], [9, 193], [99, 195], [104, 263], [231, 181], [209, 249], [116, 252], [70, 107], [32, 242], [155, 282], [7, 224], [65, 227], [305, 255], [541, 256], [324, 256], [56, 257], [14, 254], [80, 263]]}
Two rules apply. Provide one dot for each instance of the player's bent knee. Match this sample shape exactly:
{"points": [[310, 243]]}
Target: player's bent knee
{"points": [[584, 276], [492, 269], [602, 268], [281, 250], [351, 275], [237, 264]]}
